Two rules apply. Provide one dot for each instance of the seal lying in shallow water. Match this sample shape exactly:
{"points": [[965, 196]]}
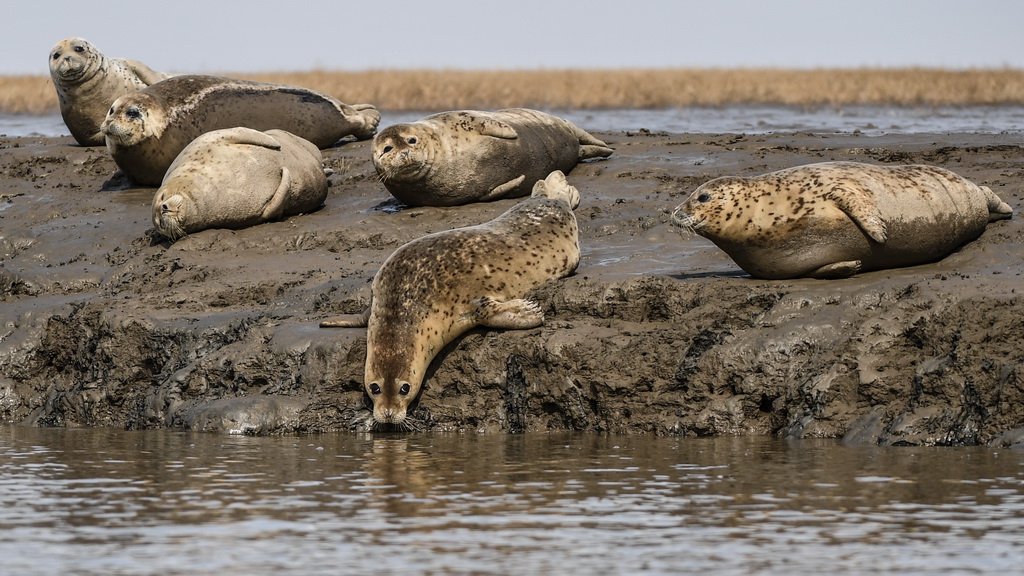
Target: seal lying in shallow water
{"points": [[87, 83], [437, 287], [834, 219], [239, 177], [146, 130], [466, 156]]}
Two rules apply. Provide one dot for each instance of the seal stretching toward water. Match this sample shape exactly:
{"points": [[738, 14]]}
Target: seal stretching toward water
{"points": [[466, 156], [146, 130], [434, 289], [239, 177], [834, 219], [87, 83]]}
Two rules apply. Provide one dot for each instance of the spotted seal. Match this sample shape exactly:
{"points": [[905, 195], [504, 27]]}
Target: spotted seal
{"points": [[87, 83], [464, 156], [834, 219], [437, 287], [146, 130], [238, 177]]}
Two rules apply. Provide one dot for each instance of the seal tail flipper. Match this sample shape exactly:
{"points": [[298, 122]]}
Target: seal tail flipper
{"points": [[354, 321], [997, 209], [862, 209], [557, 187], [275, 206], [516, 314], [366, 118], [590, 147]]}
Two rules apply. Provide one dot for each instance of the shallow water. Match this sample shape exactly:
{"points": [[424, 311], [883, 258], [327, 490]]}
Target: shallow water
{"points": [[759, 119], [169, 502]]}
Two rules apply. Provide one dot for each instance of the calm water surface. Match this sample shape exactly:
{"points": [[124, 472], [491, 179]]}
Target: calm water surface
{"points": [[753, 119], [170, 502]]}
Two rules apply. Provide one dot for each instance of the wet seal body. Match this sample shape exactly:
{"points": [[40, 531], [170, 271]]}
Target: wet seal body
{"points": [[146, 130], [834, 219], [87, 83], [239, 177], [458, 157], [437, 287]]}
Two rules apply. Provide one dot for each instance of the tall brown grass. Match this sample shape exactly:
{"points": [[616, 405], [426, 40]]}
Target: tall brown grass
{"points": [[596, 89]]}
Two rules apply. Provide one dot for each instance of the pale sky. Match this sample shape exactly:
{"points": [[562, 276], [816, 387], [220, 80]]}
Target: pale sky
{"points": [[210, 36]]}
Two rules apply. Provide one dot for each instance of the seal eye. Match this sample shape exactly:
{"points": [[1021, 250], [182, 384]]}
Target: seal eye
{"points": [[411, 140], [388, 149], [375, 388], [133, 112], [79, 49], [56, 55], [404, 390], [703, 197]]}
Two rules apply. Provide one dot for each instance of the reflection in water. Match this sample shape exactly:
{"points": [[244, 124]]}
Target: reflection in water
{"points": [[167, 502]]}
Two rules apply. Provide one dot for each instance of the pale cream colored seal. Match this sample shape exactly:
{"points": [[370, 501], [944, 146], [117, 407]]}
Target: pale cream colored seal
{"points": [[434, 289], [87, 83], [834, 219], [146, 130], [239, 177], [466, 156]]}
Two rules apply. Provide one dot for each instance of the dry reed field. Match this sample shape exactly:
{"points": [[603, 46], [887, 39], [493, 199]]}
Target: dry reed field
{"points": [[597, 89]]}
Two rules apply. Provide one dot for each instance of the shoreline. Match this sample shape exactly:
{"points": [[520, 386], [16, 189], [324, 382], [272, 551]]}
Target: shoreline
{"points": [[106, 324], [618, 88]]}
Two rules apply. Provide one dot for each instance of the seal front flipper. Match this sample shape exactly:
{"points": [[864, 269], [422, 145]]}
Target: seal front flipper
{"points": [[146, 74], [503, 190], [275, 206], [472, 122], [836, 270], [352, 321], [248, 136], [861, 207], [516, 314]]}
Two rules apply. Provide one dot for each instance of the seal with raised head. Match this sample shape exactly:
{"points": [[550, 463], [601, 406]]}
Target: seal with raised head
{"points": [[146, 130], [87, 83], [834, 219], [437, 287], [238, 177], [464, 156]]}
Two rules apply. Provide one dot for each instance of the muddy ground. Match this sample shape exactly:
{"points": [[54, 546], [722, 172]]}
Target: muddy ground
{"points": [[104, 323]]}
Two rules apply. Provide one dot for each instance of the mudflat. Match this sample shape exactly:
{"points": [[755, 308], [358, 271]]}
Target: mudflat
{"points": [[105, 323]]}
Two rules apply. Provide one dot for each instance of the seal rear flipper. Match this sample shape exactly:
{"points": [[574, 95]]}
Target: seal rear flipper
{"points": [[514, 314], [860, 206], [836, 270], [556, 186], [502, 190], [997, 209], [590, 151], [275, 206]]}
